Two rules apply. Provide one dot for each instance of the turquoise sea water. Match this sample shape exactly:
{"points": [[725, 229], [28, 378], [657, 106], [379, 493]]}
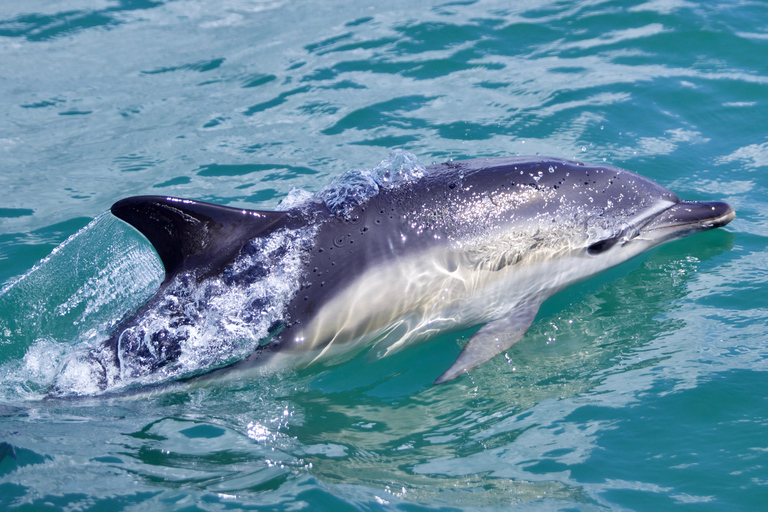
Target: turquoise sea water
{"points": [[641, 389]]}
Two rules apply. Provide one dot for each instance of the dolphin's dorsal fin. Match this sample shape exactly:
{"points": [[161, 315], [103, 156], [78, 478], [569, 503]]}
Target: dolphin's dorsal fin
{"points": [[191, 234], [492, 339]]}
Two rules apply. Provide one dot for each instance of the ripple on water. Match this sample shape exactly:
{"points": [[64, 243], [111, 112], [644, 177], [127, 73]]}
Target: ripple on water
{"points": [[640, 388]]}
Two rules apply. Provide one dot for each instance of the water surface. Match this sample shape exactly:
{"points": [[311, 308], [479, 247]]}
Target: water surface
{"points": [[640, 389]]}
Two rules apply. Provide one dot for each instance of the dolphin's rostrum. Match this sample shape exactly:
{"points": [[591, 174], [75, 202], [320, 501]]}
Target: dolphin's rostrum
{"points": [[465, 243]]}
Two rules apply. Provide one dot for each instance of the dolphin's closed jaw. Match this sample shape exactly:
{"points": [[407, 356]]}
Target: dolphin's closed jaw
{"points": [[688, 217]]}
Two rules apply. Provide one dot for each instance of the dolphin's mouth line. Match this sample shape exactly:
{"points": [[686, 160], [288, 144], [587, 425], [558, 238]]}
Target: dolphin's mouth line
{"points": [[685, 218]]}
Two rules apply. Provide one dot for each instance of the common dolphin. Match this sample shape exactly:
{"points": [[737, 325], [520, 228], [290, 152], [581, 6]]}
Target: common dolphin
{"points": [[464, 243]]}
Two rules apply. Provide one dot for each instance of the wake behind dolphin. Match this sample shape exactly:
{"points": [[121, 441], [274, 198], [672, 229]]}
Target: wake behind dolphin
{"points": [[386, 259]]}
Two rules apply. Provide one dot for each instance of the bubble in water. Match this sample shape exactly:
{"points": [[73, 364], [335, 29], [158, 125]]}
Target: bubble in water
{"points": [[296, 198], [398, 168], [357, 186], [349, 190]]}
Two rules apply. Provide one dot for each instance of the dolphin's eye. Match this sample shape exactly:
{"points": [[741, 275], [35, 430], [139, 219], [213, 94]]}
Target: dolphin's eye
{"points": [[601, 246]]}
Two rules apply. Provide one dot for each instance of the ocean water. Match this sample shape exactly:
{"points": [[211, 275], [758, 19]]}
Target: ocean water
{"points": [[640, 389]]}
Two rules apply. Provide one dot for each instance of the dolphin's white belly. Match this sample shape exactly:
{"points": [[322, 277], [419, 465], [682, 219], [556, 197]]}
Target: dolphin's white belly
{"points": [[412, 299]]}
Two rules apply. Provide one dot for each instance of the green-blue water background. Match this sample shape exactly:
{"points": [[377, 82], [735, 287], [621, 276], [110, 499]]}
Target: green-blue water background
{"points": [[641, 389]]}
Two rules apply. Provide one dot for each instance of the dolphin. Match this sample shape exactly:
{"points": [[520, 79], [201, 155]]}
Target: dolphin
{"points": [[463, 243]]}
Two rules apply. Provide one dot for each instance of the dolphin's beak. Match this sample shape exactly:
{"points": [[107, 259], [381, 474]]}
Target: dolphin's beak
{"points": [[686, 218]]}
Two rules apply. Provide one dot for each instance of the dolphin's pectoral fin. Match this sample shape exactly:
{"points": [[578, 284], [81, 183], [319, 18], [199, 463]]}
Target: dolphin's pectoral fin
{"points": [[492, 339], [191, 232]]}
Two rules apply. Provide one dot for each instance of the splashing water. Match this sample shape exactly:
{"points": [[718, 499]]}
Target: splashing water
{"points": [[196, 326], [357, 186], [210, 324], [71, 299]]}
